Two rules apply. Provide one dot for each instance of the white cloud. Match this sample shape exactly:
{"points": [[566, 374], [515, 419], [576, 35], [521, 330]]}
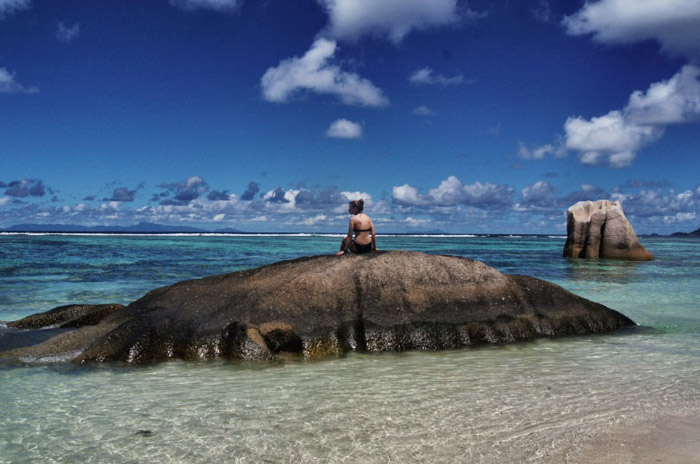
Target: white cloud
{"points": [[312, 221], [5, 201], [407, 195], [350, 196], [67, 34], [222, 6], [426, 76], [393, 19], [219, 217], [112, 205], [675, 24], [608, 139], [539, 191], [674, 101], [345, 129], [312, 72], [423, 111], [679, 218], [452, 192], [8, 84], [10, 6], [616, 138], [413, 222], [538, 153]]}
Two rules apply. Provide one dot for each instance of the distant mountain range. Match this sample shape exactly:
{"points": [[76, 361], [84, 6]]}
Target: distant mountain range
{"points": [[695, 233], [140, 228]]}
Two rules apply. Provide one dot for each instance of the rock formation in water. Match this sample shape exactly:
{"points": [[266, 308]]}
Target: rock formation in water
{"points": [[599, 229], [326, 305]]}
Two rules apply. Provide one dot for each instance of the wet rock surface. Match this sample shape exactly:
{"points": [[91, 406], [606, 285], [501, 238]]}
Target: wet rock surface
{"points": [[599, 229], [327, 305], [69, 316]]}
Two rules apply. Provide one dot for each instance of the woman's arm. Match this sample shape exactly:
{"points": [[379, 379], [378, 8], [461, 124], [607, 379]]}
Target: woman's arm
{"points": [[374, 235], [347, 240]]}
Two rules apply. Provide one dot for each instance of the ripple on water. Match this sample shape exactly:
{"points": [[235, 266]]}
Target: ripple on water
{"points": [[523, 403]]}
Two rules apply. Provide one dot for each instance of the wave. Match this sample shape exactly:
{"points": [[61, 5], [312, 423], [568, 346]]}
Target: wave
{"points": [[56, 358]]}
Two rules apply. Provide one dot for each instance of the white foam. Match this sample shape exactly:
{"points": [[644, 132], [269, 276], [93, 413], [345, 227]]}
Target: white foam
{"points": [[57, 358]]}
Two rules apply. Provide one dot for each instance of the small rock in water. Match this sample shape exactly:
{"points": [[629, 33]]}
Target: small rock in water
{"points": [[144, 433]]}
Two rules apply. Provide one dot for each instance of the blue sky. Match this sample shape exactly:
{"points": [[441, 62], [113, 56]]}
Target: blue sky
{"points": [[269, 115]]}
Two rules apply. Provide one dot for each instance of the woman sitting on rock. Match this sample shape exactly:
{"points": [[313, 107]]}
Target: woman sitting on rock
{"points": [[360, 225]]}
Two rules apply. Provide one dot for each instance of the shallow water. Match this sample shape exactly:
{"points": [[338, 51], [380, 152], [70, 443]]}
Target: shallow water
{"points": [[530, 402]]}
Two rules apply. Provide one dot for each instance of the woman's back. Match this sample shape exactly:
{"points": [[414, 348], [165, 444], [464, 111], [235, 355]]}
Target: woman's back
{"points": [[362, 226]]}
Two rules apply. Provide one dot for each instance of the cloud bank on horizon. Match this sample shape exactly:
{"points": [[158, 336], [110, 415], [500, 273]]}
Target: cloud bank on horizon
{"points": [[426, 109]]}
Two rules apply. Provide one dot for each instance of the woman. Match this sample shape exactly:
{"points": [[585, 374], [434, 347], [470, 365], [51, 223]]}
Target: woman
{"points": [[360, 225]]}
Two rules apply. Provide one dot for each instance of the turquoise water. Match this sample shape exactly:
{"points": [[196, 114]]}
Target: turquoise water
{"points": [[530, 402]]}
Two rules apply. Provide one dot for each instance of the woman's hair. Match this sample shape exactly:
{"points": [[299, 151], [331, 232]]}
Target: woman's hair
{"points": [[359, 204]]}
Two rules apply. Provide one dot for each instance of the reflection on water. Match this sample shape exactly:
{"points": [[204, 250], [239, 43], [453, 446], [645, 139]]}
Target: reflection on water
{"points": [[603, 270]]}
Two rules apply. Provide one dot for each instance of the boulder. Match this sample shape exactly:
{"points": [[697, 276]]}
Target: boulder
{"points": [[70, 316], [599, 229], [327, 305]]}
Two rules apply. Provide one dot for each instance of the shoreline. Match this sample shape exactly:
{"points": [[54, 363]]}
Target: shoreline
{"points": [[668, 438]]}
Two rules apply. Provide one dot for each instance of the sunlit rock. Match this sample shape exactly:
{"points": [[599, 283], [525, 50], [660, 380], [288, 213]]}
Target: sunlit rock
{"points": [[600, 230]]}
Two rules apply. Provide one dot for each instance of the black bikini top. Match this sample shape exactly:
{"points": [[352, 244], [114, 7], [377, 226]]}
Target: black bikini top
{"points": [[363, 230]]}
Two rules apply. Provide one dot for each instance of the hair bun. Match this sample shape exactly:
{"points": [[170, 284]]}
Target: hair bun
{"points": [[361, 202]]}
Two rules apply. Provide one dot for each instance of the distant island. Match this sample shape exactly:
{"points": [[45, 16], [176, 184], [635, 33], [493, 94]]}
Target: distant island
{"points": [[695, 233], [140, 228]]}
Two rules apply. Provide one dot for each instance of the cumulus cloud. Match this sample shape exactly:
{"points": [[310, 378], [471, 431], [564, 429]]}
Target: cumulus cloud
{"points": [[277, 195], [426, 76], [221, 6], [315, 220], [345, 129], [538, 195], [313, 72], [216, 195], [185, 191], [122, 194], [8, 7], [616, 138], [8, 84], [543, 197], [67, 34], [675, 24], [452, 192], [674, 101], [538, 153], [25, 188], [608, 139], [250, 192], [393, 19]]}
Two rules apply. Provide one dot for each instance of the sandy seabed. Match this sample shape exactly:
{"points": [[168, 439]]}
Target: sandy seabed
{"points": [[666, 439]]}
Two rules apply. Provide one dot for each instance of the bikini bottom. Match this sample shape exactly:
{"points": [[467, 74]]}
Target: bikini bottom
{"points": [[359, 249]]}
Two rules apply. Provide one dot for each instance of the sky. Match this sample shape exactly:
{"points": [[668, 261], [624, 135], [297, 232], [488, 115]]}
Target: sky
{"points": [[270, 115]]}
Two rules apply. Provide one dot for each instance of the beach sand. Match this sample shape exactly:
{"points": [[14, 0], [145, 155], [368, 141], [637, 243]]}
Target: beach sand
{"points": [[667, 439]]}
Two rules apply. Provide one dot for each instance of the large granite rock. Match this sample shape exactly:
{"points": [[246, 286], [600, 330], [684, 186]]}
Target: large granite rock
{"points": [[599, 229], [381, 301]]}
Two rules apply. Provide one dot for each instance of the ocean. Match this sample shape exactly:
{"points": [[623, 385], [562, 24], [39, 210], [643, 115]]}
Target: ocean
{"points": [[538, 401]]}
